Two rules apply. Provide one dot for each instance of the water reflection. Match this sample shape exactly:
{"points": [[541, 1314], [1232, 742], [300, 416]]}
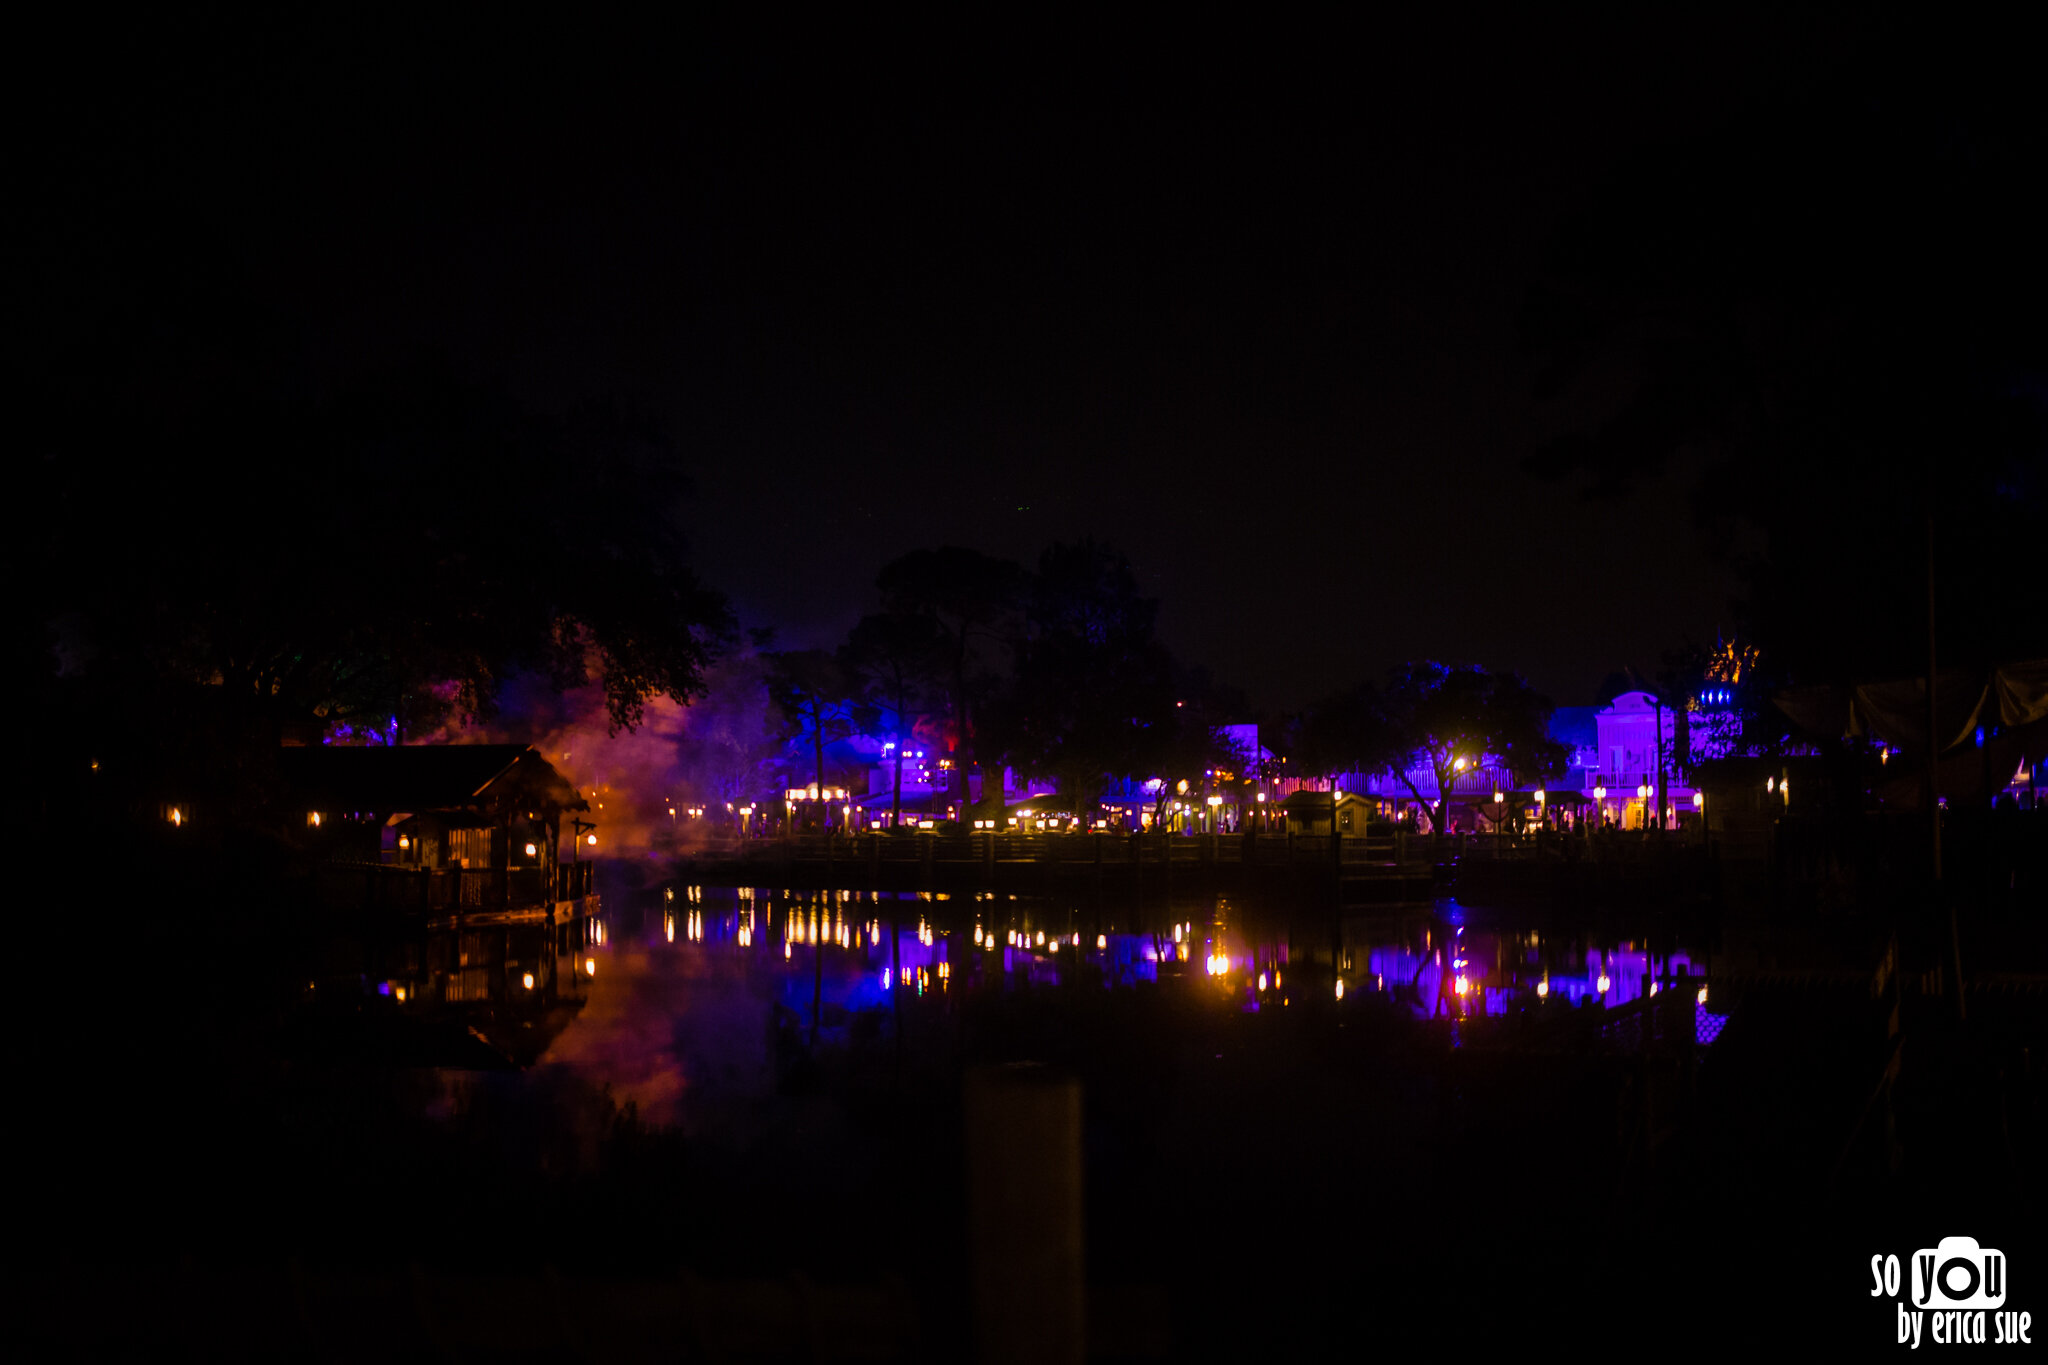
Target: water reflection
{"points": [[687, 999], [1448, 968]]}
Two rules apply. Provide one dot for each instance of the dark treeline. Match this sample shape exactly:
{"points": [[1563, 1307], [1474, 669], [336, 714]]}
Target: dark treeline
{"points": [[1830, 306], [1055, 671]]}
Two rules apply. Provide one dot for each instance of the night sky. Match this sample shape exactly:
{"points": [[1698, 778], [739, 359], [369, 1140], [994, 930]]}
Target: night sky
{"points": [[1251, 319]]}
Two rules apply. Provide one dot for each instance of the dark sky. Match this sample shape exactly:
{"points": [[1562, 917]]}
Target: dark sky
{"points": [[1251, 319]]}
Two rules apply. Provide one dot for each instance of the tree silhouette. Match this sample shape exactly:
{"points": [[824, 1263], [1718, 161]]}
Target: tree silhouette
{"points": [[1832, 306], [816, 697], [380, 560], [974, 600], [898, 662], [1450, 719], [1092, 696], [1348, 732]]}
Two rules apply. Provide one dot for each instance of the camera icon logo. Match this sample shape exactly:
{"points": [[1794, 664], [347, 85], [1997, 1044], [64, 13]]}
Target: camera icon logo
{"points": [[1958, 1274]]}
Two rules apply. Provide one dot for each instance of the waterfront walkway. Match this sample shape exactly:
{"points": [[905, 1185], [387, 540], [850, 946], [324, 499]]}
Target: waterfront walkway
{"points": [[1350, 870]]}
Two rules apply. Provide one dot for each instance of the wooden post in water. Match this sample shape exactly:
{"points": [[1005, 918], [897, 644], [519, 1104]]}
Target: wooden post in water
{"points": [[1166, 872], [1336, 858], [1932, 787], [1024, 1215]]}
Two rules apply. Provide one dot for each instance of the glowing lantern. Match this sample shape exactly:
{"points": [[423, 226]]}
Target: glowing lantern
{"points": [[526, 981], [590, 966], [1340, 988]]}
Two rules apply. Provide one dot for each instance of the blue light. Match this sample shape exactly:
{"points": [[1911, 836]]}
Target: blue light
{"points": [[1980, 736]]}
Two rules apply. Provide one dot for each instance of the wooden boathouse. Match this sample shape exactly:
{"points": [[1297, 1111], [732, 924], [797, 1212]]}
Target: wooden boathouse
{"points": [[446, 862]]}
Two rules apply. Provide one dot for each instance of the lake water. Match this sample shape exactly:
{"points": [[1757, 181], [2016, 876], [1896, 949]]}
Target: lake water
{"points": [[690, 992]]}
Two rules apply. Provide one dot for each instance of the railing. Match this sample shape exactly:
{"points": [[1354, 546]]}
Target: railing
{"points": [[1105, 850]]}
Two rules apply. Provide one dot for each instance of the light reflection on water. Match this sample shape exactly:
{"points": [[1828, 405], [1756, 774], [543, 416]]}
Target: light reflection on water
{"points": [[686, 1003]]}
